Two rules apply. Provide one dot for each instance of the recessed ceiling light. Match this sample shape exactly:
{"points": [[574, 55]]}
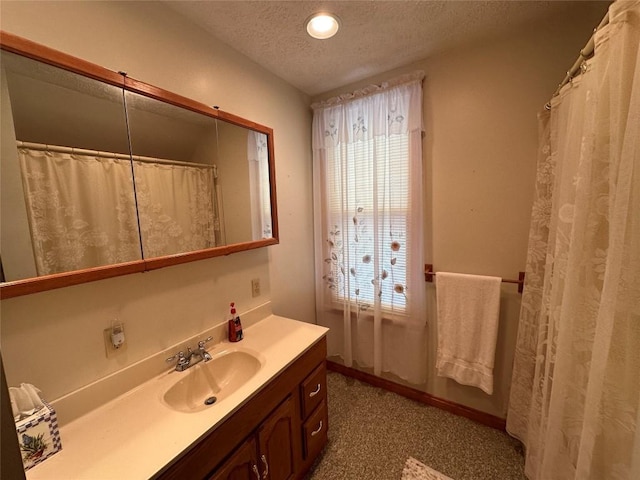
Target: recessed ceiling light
{"points": [[322, 25]]}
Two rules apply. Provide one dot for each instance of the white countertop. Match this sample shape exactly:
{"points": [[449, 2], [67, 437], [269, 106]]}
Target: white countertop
{"points": [[136, 434]]}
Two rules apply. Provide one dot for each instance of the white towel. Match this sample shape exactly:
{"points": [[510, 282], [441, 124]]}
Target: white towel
{"points": [[468, 310]]}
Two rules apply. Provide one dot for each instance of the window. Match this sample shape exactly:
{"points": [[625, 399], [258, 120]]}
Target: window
{"points": [[368, 200]]}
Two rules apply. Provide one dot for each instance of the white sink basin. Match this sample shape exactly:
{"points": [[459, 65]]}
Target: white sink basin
{"points": [[205, 384]]}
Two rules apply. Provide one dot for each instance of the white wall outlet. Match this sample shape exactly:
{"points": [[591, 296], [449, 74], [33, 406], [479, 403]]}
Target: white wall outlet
{"points": [[255, 287], [114, 340]]}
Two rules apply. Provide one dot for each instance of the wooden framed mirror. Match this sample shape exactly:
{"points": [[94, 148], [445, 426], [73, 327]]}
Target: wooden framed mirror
{"points": [[130, 177]]}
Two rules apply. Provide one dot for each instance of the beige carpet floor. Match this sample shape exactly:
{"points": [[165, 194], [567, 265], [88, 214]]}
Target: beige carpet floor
{"points": [[372, 432]]}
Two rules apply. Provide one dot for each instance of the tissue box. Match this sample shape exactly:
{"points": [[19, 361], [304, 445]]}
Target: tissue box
{"points": [[38, 436]]}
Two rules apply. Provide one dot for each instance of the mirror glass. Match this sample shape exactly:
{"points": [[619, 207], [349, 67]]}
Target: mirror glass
{"points": [[174, 154], [200, 182], [103, 175], [243, 179], [67, 199]]}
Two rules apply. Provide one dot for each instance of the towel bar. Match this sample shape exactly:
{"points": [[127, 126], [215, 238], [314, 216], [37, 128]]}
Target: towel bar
{"points": [[429, 274]]}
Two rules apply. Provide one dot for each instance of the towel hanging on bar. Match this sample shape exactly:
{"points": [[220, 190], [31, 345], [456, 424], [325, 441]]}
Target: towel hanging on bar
{"points": [[468, 308]]}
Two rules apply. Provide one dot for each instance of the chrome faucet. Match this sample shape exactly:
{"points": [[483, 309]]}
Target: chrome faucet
{"points": [[188, 360]]}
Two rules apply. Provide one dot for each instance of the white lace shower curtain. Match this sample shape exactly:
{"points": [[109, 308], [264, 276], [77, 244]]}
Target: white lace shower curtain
{"points": [[176, 207], [575, 394], [82, 211], [368, 227], [78, 220]]}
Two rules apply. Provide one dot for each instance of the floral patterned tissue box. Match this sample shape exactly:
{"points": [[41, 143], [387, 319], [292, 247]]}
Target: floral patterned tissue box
{"points": [[38, 436]]}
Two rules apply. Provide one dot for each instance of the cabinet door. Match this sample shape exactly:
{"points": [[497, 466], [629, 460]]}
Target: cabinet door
{"points": [[242, 465], [276, 438]]}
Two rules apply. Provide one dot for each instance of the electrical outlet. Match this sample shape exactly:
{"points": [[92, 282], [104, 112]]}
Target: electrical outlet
{"points": [[110, 350], [255, 287]]}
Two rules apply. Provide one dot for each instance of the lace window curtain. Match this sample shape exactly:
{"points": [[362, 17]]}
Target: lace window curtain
{"points": [[575, 394], [368, 216], [78, 220]]}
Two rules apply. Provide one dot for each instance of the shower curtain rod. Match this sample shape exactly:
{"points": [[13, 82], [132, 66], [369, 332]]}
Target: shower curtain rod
{"points": [[118, 156], [585, 54]]}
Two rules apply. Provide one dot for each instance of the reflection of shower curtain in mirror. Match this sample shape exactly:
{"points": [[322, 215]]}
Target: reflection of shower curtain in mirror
{"points": [[258, 155], [77, 219], [82, 212], [176, 205]]}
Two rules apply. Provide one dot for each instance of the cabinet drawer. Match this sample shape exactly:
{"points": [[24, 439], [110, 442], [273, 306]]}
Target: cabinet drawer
{"points": [[314, 431], [314, 390]]}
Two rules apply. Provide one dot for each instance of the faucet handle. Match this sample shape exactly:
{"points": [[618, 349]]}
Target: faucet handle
{"points": [[206, 340], [173, 357], [180, 356]]}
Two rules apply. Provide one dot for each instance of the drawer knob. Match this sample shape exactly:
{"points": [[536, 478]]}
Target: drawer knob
{"points": [[315, 392], [255, 470], [315, 432], [266, 467]]}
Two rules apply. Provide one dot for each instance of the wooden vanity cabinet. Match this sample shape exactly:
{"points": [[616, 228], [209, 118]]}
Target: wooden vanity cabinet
{"points": [[242, 465], [266, 454], [273, 431]]}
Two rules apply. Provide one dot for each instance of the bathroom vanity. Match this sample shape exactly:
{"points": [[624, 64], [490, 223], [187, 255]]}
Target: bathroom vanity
{"points": [[277, 434], [272, 426]]}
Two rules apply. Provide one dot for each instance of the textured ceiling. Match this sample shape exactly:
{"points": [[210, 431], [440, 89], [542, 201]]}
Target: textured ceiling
{"points": [[375, 36]]}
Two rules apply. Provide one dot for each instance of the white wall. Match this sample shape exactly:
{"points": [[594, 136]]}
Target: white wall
{"points": [[54, 339], [17, 261], [479, 157]]}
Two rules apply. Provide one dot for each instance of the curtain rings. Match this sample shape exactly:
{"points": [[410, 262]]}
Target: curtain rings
{"points": [[583, 66]]}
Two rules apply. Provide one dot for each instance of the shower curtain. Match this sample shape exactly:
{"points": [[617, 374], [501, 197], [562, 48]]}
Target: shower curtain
{"points": [[78, 220], [82, 211], [176, 205], [575, 394]]}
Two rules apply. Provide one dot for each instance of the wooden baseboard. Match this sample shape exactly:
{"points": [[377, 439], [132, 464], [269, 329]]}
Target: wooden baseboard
{"points": [[420, 396]]}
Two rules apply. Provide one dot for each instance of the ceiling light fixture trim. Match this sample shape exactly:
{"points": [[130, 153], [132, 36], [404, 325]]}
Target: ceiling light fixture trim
{"points": [[322, 25]]}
